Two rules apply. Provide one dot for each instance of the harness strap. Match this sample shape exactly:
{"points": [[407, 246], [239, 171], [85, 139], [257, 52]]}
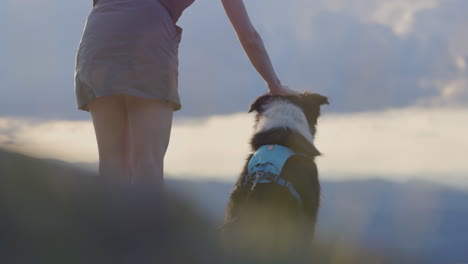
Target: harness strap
{"points": [[267, 177], [266, 166], [291, 188]]}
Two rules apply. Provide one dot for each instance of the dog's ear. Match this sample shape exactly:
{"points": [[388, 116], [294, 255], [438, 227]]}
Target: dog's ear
{"points": [[311, 103], [313, 99], [259, 102]]}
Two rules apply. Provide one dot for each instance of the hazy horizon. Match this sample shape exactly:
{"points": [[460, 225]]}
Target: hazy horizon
{"points": [[398, 145]]}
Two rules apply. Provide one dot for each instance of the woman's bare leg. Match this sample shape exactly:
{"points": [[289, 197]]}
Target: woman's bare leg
{"points": [[111, 127], [149, 123]]}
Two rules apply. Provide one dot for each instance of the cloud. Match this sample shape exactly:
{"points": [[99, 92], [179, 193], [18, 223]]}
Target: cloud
{"points": [[398, 15], [396, 142], [366, 55], [72, 141], [369, 54], [400, 144]]}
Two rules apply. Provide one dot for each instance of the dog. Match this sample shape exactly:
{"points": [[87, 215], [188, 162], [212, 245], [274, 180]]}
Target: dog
{"points": [[273, 214]]}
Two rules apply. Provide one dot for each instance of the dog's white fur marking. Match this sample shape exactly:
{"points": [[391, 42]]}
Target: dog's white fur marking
{"points": [[281, 113]]}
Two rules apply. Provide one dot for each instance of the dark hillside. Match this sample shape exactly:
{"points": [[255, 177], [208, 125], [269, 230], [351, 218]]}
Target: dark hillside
{"points": [[51, 212]]}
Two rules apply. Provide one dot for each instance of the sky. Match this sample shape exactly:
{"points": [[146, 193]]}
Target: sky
{"points": [[396, 73]]}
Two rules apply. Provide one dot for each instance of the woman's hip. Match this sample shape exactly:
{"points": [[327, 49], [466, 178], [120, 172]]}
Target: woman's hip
{"points": [[131, 32], [123, 25]]}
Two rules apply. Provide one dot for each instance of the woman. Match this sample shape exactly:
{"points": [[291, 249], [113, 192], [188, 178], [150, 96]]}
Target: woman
{"points": [[126, 77]]}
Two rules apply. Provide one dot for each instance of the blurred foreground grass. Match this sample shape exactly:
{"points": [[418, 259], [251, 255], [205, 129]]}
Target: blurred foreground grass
{"points": [[53, 213]]}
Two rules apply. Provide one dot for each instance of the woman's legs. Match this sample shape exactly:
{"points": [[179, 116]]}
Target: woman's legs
{"points": [[149, 123], [110, 122], [132, 135]]}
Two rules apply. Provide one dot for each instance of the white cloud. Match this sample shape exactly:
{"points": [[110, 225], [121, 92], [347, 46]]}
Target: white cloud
{"points": [[404, 144], [395, 142], [399, 15], [215, 147], [72, 141], [460, 62], [453, 90]]}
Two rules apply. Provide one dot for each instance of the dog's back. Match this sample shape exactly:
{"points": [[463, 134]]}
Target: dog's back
{"points": [[270, 219]]}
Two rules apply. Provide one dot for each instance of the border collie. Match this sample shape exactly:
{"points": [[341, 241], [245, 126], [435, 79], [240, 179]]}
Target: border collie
{"points": [[274, 214]]}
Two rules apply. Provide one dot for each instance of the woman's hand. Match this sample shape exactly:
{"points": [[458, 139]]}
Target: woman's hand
{"points": [[282, 90]]}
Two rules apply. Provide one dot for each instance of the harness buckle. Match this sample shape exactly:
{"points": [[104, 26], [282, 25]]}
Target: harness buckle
{"points": [[258, 177]]}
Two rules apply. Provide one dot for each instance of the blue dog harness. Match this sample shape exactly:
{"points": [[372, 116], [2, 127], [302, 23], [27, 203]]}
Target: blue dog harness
{"points": [[266, 165]]}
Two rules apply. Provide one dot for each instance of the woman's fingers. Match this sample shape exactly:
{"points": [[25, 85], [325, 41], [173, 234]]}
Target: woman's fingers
{"points": [[283, 91]]}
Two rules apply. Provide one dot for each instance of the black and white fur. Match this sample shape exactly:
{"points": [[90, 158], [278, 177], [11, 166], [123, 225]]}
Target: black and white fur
{"points": [[268, 218]]}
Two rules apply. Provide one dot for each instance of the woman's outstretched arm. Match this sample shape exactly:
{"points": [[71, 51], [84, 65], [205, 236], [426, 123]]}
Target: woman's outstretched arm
{"points": [[253, 45]]}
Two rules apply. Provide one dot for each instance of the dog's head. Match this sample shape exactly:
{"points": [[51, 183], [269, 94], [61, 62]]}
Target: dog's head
{"points": [[296, 112]]}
